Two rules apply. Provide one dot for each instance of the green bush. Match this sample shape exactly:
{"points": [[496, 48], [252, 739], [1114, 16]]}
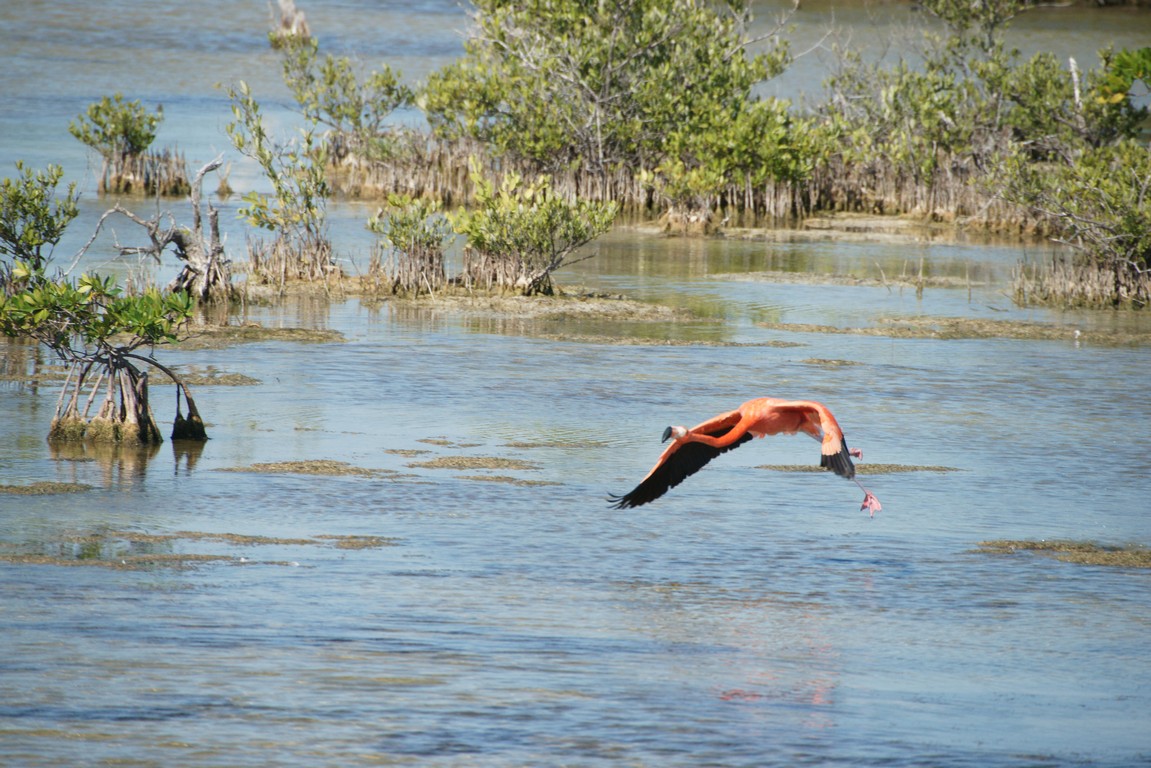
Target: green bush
{"points": [[296, 210], [33, 217], [417, 234], [88, 323], [329, 92], [122, 132], [115, 128], [1099, 204], [597, 86], [521, 233]]}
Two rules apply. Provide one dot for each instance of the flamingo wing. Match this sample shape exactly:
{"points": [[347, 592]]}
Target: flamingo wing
{"points": [[834, 456], [833, 452], [676, 464], [817, 421]]}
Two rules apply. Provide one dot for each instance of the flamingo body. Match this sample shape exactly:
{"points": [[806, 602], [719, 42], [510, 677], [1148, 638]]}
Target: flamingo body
{"points": [[693, 448]]}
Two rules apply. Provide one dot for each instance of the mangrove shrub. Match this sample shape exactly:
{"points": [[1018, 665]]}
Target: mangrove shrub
{"points": [[329, 92], [599, 89], [416, 235], [522, 232], [1099, 204], [122, 133], [295, 211], [32, 217], [1093, 192], [90, 325]]}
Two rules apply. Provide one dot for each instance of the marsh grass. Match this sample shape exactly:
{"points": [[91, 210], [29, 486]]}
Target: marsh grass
{"points": [[862, 469], [44, 488], [473, 462], [141, 551], [1079, 552], [310, 467], [971, 328]]}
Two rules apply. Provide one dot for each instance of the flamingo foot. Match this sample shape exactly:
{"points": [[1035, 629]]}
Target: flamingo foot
{"points": [[870, 503], [857, 453]]}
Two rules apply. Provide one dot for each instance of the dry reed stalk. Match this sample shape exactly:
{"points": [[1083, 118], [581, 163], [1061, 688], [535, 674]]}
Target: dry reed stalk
{"points": [[1062, 282], [280, 261], [163, 173], [423, 165], [414, 271]]}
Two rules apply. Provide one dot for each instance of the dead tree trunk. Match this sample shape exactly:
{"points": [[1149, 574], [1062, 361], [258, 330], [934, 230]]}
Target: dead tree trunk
{"points": [[206, 274], [291, 28]]}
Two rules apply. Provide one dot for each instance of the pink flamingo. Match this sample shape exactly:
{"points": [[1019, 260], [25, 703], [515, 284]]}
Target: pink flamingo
{"points": [[693, 448]]}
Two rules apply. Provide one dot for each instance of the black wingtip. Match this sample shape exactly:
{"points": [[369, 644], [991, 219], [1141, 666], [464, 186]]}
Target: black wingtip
{"points": [[839, 463], [621, 502]]}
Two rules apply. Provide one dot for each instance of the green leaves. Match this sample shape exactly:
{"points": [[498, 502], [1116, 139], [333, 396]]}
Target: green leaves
{"points": [[1121, 71], [517, 234], [296, 210], [567, 83], [32, 216], [87, 322], [411, 225], [330, 92], [967, 100], [523, 231], [68, 316], [1100, 204], [90, 316], [116, 128], [417, 234], [757, 142]]}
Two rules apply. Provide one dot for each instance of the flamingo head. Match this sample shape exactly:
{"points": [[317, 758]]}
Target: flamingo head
{"points": [[676, 432]]}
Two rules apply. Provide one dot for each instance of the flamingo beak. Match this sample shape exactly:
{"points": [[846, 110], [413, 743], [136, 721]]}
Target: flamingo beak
{"points": [[666, 435]]}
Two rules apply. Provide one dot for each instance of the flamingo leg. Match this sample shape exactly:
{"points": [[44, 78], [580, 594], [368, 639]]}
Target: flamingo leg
{"points": [[870, 503]]}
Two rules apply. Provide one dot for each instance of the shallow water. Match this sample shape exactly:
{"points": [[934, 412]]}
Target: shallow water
{"points": [[752, 617]]}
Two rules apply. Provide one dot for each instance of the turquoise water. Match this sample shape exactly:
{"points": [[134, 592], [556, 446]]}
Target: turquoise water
{"points": [[509, 617]]}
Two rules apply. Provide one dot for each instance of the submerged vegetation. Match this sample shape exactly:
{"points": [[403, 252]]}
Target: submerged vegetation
{"points": [[324, 467], [971, 328], [1080, 552], [44, 488], [139, 551]]}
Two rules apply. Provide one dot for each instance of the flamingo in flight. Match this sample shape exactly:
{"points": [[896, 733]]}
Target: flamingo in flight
{"points": [[693, 448]]}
